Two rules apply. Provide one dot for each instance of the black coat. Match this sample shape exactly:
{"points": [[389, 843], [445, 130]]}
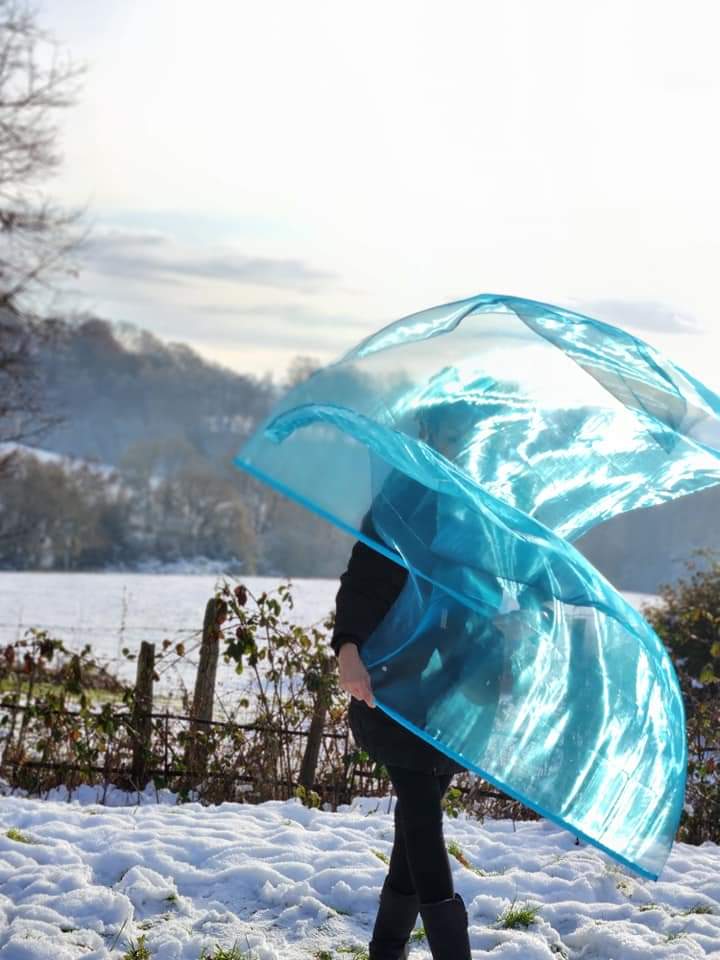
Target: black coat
{"points": [[368, 588]]}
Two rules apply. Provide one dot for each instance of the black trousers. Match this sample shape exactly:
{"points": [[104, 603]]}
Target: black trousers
{"points": [[419, 861]]}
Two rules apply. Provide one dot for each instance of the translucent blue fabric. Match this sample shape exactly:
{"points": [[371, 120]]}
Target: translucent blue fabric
{"points": [[472, 443]]}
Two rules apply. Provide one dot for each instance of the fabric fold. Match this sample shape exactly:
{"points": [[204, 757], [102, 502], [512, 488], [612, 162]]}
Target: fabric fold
{"points": [[479, 439]]}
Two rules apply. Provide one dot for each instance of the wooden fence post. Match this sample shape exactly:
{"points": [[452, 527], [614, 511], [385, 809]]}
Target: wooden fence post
{"points": [[141, 714], [204, 697], [317, 725]]}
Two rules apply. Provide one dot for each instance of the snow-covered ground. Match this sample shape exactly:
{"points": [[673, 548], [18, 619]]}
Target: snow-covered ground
{"points": [[115, 610], [283, 882], [59, 459], [279, 881]]}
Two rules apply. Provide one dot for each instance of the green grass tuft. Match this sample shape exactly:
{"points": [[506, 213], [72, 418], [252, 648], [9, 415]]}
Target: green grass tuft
{"points": [[515, 917], [698, 908], [14, 834], [453, 848], [226, 953], [137, 951]]}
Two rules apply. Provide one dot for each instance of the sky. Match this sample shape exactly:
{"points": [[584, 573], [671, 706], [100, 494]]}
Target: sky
{"points": [[268, 180]]}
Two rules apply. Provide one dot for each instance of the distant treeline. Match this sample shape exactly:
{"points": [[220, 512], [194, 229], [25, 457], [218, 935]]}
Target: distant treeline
{"points": [[147, 433], [169, 424], [116, 387]]}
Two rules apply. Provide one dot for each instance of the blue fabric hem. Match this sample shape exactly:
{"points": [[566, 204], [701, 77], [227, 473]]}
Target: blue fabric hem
{"points": [[515, 794]]}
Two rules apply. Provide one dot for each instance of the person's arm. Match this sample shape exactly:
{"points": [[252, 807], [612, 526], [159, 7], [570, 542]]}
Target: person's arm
{"points": [[368, 588]]}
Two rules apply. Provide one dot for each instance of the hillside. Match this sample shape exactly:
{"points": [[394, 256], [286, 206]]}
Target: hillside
{"points": [[170, 424]]}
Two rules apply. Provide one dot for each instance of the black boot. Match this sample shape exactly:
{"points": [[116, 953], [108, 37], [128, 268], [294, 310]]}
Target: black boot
{"points": [[394, 923], [446, 927]]}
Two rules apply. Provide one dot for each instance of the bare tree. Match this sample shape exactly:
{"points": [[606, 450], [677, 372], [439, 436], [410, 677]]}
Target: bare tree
{"points": [[22, 416], [301, 368], [36, 83]]}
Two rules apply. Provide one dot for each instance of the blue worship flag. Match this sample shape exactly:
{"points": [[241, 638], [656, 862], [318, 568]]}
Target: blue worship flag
{"points": [[480, 438]]}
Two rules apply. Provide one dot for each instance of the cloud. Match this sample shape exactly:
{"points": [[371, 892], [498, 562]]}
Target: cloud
{"points": [[642, 315], [291, 325], [294, 312], [145, 255]]}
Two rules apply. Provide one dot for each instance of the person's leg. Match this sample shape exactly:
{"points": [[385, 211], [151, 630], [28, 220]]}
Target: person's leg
{"points": [[443, 912], [419, 860], [399, 902], [399, 875], [399, 905]]}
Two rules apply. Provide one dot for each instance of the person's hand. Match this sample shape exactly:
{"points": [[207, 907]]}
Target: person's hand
{"points": [[353, 676]]}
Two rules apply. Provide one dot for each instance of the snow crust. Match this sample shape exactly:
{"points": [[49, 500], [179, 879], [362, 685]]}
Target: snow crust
{"points": [[283, 882]]}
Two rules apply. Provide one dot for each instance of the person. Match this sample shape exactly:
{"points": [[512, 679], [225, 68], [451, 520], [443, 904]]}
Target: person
{"points": [[419, 877]]}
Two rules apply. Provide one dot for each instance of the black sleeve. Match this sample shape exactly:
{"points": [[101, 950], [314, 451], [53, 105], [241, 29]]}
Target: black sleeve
{"points": [[368, 588]]}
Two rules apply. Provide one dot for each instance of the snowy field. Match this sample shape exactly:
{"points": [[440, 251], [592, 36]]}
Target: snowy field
{"points": [[111, 611], [115, 610], [282, 882], [279, 881]]}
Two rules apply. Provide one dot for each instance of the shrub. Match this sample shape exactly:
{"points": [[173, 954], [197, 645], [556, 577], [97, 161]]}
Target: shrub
{"points": [[688, 622]]}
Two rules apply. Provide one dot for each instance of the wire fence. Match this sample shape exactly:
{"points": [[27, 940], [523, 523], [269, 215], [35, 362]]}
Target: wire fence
{"points": [[335, 782], [118, 764]]}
